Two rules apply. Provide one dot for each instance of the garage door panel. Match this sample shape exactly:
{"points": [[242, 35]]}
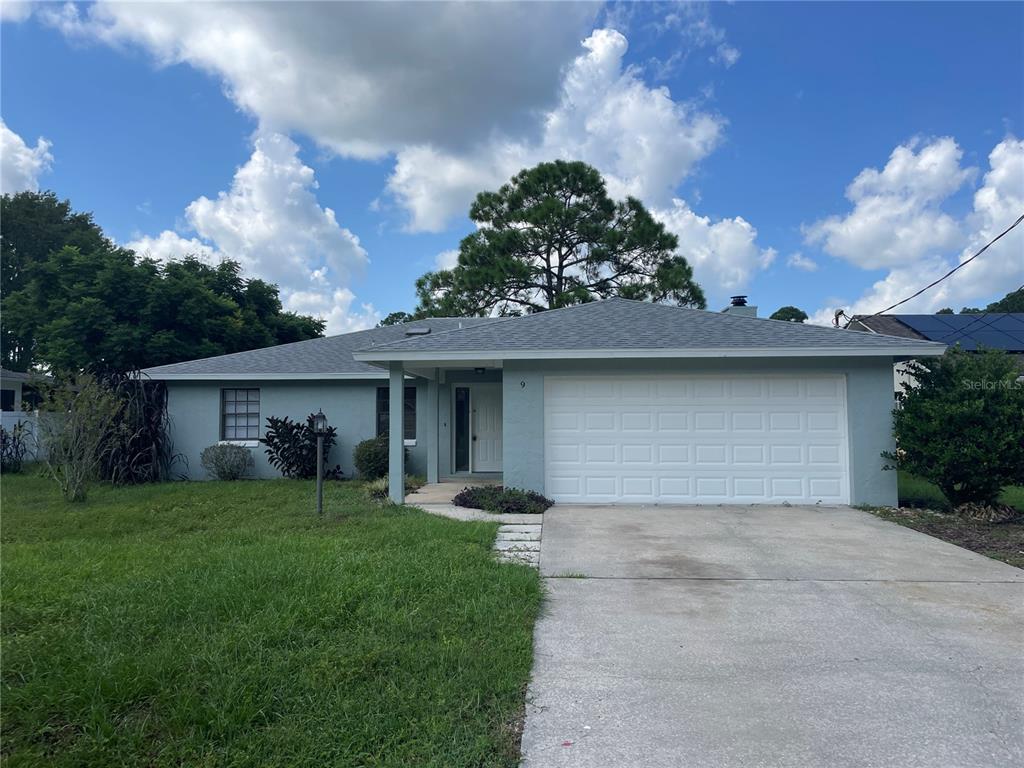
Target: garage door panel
{"points": [[694, 439]]}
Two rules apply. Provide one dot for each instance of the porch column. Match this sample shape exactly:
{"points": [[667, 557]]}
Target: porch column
{"points": [[396, 434], [432, 416]]}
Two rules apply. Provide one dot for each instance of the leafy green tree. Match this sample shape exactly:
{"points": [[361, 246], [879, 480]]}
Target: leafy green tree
{"points": [[789, 313], [552, 237], [396, 318], [945, 311], [959, 424], [73, 301], [1011, 302]]}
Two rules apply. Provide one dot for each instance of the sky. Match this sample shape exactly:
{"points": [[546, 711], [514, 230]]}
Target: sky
{"points": [[822, 155]]}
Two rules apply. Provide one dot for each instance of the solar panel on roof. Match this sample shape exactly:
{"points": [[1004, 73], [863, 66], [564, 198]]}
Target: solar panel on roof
{"points": [[994, 330]]}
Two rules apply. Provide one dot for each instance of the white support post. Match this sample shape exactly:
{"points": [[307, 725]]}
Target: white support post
{"points": [[396, 436], [432, 430]]}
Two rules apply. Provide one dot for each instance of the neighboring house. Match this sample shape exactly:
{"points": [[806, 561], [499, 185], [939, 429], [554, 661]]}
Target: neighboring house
{"points": [[612, 401], [971, 332], [18, 396]]}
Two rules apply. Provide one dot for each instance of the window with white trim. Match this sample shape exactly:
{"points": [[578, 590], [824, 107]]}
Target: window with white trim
{"points": [[239, 414]]}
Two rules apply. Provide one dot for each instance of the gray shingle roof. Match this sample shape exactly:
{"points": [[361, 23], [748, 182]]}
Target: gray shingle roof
{"points": [[309, 359], [884, 324], [621, 324]]}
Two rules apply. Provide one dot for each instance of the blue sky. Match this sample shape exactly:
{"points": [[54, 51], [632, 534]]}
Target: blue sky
{"points": [[232, 130]]}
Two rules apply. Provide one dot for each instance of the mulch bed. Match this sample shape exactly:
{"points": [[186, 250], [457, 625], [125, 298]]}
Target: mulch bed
{"points": [[1000, 541]]}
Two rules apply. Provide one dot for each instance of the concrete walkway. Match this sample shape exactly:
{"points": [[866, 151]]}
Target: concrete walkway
{"points": [[756, 636]]}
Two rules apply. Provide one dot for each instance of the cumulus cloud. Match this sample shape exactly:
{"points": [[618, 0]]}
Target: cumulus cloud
{"points": [[896, 213], [271, 222], [363, 79], [801, 262], [447, 259], [21, 165], [724, 254], [997, 204], [642, 141]]}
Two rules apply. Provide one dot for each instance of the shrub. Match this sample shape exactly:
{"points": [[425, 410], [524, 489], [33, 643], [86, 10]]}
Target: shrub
{"points": [[959, 425], [371, 457], [507, 501], [13, 448], [81, 414], [137, 447], [291, 447], [226, 461]]}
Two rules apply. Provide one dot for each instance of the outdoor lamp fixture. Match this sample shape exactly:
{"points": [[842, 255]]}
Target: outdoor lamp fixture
{"points": [[319, 429]]}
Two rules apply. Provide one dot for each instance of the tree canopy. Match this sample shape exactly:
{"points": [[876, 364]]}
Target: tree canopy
{"points": [[1011, 302], [72, 300], [790, 313], [552, 237]]}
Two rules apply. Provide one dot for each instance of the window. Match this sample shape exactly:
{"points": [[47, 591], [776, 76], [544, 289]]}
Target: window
{"points": [[6, 399], [240, 414], [408, 412]]}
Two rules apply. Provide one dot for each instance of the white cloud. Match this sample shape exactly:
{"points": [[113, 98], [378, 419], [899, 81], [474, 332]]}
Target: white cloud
{"points": [[724, 254], [271, 222], [170, 245], [726, 54], [15, 10], [21, 165], [896, 213], [446, 259], [363, 79], [997, 204], [801, 262], [642, 141]]}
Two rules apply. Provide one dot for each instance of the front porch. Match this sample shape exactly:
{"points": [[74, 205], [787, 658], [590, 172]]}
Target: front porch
{"points": [[444, 492], [460, 431]]}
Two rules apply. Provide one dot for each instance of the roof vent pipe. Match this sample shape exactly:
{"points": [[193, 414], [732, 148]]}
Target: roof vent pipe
{"points": [[738, 306]]}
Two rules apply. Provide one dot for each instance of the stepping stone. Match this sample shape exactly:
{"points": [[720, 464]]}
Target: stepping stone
{"points": [[517, 546], [518, 536]]}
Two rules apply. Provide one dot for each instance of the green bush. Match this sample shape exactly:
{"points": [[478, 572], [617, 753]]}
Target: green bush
{"points": [[371, 457], [506, 501], [291, 447], [226, 461], [13, 448], [378, 489], [959, 425]]}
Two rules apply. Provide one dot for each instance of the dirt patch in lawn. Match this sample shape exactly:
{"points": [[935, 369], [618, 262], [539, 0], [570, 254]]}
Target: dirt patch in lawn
{"points": [[1000, 541]]}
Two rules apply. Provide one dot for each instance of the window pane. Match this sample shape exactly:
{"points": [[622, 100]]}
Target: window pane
{"points": [[409, 414], [461, 429], [382, 411], [240, 414]]}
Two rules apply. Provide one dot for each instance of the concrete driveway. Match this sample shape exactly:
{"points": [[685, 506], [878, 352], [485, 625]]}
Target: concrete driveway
{"points": [[771, 636]]}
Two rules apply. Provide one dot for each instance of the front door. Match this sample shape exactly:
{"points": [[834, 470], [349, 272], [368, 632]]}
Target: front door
{"points": [[485, 402]]}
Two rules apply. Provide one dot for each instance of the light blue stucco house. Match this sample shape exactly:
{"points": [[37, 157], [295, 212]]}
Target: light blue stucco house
{"points": [[615, 401]]}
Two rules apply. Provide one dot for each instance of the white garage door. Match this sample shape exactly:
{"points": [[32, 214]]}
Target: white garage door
{"points": [[696, 439]]}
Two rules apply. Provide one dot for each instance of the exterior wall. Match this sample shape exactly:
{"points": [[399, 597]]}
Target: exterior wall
{"points": [[869, 411], [350, 406]]}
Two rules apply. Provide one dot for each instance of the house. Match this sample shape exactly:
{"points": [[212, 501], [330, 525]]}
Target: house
{"points": [[971, 332], [612, 401]]}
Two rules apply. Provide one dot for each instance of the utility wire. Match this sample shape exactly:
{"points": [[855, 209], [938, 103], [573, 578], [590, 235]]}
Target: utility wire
{"points": [[988, 245]]}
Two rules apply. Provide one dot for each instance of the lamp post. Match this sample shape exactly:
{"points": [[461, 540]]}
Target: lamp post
{"points": [[320, 428]]}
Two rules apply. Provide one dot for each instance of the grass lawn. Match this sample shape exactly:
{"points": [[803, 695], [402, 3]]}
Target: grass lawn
{"points": [[1002, 541], [211, 624]]}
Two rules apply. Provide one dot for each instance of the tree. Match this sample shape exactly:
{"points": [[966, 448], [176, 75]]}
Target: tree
{"points": [[945, 311], [552, 237], [789, 313], [73, 301], [396, 318], [959, 425], [1011, 302]]}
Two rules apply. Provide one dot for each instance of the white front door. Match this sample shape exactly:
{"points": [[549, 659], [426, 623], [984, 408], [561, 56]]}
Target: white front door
{"points": [[676, 439], [486, 427]]}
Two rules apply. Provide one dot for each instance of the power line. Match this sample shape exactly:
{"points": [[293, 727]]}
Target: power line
{"points": [[988, 245]]}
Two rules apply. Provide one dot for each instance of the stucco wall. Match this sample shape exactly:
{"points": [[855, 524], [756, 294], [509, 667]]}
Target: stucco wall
{"points": [[350, 406], [869, 409]]}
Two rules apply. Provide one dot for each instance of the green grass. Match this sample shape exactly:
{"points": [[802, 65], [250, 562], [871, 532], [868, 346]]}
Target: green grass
{"points": [[917, 492], [224, 624]]}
